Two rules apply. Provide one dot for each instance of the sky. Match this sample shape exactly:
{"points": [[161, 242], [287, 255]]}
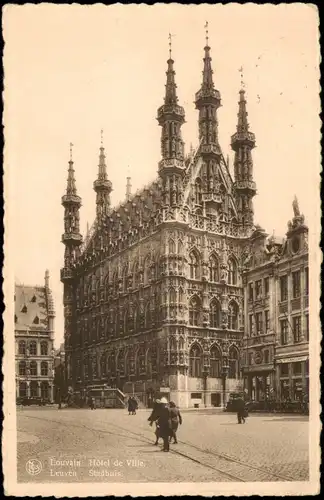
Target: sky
{"points": [[73, 70]]}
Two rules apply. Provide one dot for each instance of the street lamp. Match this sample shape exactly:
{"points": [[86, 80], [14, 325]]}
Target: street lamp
{"points": [[225, 370]]}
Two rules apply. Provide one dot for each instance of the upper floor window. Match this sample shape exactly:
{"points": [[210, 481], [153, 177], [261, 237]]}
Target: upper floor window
{"points": [[232, 272], [198, 192], [258, 289], [297, 329], [233, 363], [284, 370], [33, 348], [267, 321], [284, 331], [22, 347], [44, 368], [22, 368], [251, 291], [306, 281], [44, 348], [307, 327], [36, 320], [258, 321], [296, 284], [251, 324], [172, 246], [266, 356], [233, 312], [215, 362], [214, 314], [283, 288]]}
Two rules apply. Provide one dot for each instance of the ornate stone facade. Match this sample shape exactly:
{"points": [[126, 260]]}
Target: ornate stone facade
{"points": [[154, 296]]}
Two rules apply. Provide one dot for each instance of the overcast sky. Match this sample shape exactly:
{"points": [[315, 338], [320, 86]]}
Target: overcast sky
{"points": [[71, 71]]}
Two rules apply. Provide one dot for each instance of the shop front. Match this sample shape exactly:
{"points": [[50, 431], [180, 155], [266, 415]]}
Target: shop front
{"points": [[259, 383], [292, 374]]}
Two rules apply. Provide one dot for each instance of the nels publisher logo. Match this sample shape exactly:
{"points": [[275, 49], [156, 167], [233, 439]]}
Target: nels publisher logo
{"points": [[34, 467]]}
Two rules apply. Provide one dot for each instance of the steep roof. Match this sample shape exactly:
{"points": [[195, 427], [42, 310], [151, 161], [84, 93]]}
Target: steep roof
{"points": [[30, 308]]}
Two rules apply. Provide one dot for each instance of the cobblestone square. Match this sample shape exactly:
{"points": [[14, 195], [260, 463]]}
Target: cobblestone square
{"points": [[112, 446]]}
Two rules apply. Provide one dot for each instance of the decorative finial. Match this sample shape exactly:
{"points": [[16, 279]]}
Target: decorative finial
{"points": [[170, 45], [101, 137], [206, 28], [242, 79], [71, 146]]}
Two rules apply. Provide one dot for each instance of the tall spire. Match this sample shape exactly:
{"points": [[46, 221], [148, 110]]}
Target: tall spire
{"points": [[71, 202], [242, 142], [207, 101], [102, 185], [171, 117]]}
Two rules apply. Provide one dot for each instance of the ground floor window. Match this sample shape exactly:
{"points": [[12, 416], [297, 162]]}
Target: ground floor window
{"points": [[22, 389], [284, 389], [44, 390], [33, 389], [216, 399], [297, 389]]}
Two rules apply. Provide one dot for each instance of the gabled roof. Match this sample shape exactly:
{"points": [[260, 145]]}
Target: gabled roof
{"points": [[30, 304]]}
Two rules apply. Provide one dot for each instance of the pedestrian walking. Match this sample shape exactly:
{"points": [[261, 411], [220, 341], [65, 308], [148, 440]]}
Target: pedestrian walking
{"points": [[134, 406], [154, 417], [176, 419], [240, 408], [92, 403], [130, 405], [164, 422]]}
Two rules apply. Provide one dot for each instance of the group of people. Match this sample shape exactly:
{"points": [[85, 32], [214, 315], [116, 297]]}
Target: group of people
{"points": [[167, 418], [132, 405]]}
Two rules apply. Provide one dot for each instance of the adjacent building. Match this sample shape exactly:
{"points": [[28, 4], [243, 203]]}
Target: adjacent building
{"points": [[276, 337], [34, 338]]}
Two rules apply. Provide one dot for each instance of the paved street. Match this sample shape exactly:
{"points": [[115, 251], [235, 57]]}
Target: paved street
{"points": [[111, 446]]}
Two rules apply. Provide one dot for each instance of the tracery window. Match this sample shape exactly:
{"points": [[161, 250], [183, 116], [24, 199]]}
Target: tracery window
{"points": [[232, 272], [33, 348], [172, 246], [195, 361], [194, 311], [215, 362], [172, 296], [140, 361], [233, 363], [44, 368], [233, 312]]}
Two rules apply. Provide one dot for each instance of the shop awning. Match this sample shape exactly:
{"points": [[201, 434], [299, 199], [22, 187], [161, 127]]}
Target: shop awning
{"points": [[296, 359]]}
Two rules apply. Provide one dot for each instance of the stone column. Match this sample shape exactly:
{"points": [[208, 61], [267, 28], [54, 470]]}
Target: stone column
{"points": [[38, 390], [28, 388]]}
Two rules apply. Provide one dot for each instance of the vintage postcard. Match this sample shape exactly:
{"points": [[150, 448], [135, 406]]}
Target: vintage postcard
{"points": [[162, 260]]}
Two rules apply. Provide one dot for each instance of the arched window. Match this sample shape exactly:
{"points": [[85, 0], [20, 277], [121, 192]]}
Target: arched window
{"points": [[136, 276], [215, 362], [44, 349], [232, 272], [149, 363], [172, 246], [45, 390], [33, 348], [22, 368], [198, 192], [125, 278], [140, 361], [103, 365], [121, 362], [147, 270], [180, 248], [107, 286], [233, 363], [44, 368], [181, 344], [195, 361], [116, 332], [22, 348], [214, 314], [148, 318], [233, 311], [33, 368], [181, 295], [213, 268], [115, 281], [194, 311], [172, 296], [193, 266], [137, 319], [22, 389]]}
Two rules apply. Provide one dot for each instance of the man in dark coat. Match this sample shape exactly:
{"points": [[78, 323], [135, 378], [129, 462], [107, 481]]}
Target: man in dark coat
{"points": [[154, 417], [240, 408], [162, 417], [176, 419]]}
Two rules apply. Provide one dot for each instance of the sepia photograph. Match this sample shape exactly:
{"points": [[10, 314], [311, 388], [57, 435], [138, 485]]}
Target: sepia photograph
{"points": [[162, 262]]}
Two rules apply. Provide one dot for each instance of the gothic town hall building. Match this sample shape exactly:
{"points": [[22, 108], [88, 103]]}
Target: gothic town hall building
{"points": [[153, 297]]}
